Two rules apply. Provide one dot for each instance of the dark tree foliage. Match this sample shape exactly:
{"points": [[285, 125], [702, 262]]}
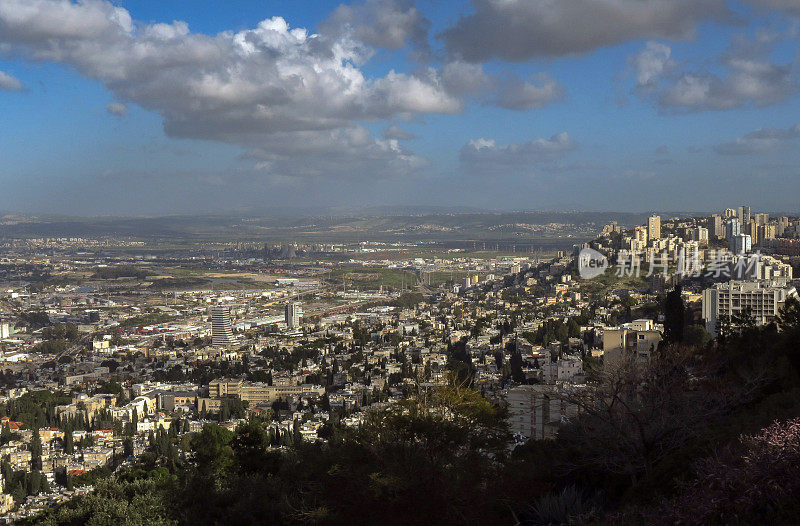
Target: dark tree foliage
{"points": [[674, 317]]}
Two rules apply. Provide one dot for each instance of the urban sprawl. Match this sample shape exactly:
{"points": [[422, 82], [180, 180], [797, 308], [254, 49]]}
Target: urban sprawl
{"points": [[114, 355]]}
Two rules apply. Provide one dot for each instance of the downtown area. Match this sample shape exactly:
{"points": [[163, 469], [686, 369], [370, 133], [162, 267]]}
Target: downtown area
{"points": [[482, 381]]}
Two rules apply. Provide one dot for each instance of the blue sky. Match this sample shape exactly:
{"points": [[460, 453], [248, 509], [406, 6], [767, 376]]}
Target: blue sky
{"points": [[141, 107]]}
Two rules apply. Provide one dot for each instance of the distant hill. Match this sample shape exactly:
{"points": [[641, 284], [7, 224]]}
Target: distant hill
{"points": [[370, 224]]}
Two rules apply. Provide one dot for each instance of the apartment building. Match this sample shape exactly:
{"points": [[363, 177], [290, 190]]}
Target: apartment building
{"points": [[257, 392], [221, 332], [537, 411], [636, 339], [763, 298]]}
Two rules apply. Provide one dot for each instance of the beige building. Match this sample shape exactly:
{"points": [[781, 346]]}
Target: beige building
{"points": [[763, 299], [257, 392], [636, 339], [654, 227]]}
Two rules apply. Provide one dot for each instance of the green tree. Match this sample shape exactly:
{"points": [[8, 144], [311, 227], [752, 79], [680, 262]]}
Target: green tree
{"points": [[36, 449], [212, 451]]}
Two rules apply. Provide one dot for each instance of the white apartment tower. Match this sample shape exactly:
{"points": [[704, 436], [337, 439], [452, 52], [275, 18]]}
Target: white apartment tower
{"points": [[654, 227], [221, 332], [293, 314], [732, 228]]}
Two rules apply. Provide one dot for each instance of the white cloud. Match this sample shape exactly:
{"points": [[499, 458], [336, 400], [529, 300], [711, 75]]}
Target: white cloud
{"points": [[651, 63], [518, 30], [256, 87], [117, 108], [763, 140], [750, 78], [9, 83]]}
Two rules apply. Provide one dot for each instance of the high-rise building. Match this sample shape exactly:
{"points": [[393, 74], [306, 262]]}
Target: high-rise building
{"points": [[762, 299], [293, 314], [729, 213], [654, 227], [732, 228], [751, 229], [221, 332], [700, 234], [744, 214], [761, 219], [741, 244], [639, 241], [716, 227], [766, 232]]}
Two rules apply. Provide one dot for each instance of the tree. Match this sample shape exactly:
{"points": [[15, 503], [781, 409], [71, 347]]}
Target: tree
{"points": [[34, 482], [5, 435], [250, 445], [136, 498], [36, 449], [19, 493], [639, 413], [127, 446], [212, 451], [517, 374], [752, 481], [69, 447], [674, 316], [696, 336], [224, 411]]}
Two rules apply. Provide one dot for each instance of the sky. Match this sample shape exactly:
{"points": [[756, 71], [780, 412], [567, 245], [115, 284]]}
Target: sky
{"points": [[182, 107]]}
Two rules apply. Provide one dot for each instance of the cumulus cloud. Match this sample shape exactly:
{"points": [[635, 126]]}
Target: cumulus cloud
{"points": [[763, 140], [117, 108], [389, 24], [486, 156], [464, 78], [749, 78], [651, 63], [752, 79], [543, 89], [510, 92], [258, 87], [9, 83], [519, 30], [395, 132]]}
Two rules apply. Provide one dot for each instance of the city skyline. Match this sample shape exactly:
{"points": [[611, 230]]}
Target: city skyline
{"points": [[128, 108]]}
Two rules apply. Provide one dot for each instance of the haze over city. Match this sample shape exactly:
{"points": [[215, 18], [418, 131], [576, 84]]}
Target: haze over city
{"points": [[136, 107]]}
